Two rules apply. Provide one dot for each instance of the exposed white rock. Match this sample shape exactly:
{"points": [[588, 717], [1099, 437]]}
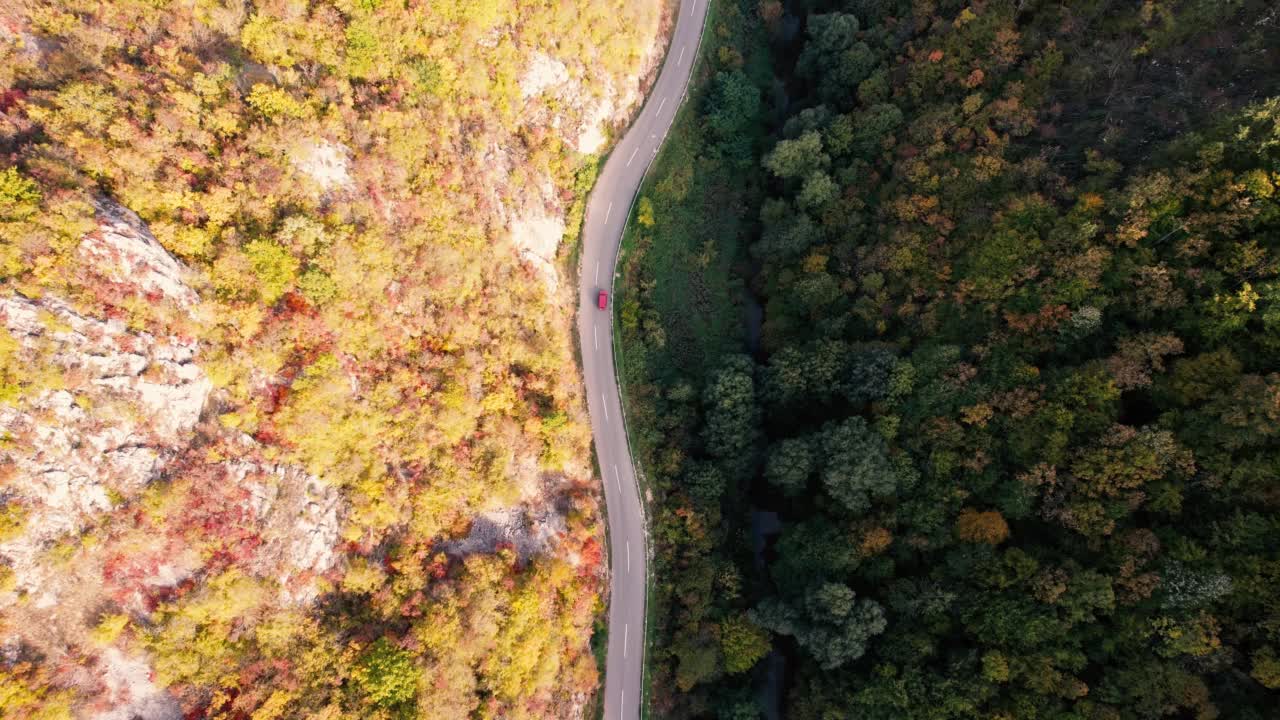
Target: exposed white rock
{"points": [[529, 530], [123, 250], [532, 524], [327, 163], [582, 114], [297, 515], [615, 103], [15, 32], [537, 236], [130, 403], [543, 73], [131, 693], [593, 137], [169, 574]]}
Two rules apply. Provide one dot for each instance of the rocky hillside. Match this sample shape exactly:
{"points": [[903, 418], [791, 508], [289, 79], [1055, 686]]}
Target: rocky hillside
{"points": [[289, 425]]}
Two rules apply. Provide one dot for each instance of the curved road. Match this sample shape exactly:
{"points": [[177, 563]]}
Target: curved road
{"points": [[607, 212]]}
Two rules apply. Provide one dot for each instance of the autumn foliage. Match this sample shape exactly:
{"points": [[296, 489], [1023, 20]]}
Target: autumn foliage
{"points": [[981, 527], [337, 181]]}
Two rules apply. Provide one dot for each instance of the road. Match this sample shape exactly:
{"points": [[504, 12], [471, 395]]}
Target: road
{"points": [[606, 217]]}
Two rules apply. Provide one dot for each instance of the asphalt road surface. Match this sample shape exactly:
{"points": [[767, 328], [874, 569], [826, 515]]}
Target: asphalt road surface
{"points": [[607, 212]]}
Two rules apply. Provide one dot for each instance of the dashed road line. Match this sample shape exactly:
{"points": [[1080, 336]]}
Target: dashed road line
{"points": [[626, 668]]}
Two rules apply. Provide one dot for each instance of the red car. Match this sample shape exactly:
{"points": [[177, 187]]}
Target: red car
{"points": [[602, 300]]}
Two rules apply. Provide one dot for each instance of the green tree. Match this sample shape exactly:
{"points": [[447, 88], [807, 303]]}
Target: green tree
{"points": [[790, 464], [872, 127], [742, 644], [697, 662], [275, 268], [733, 108], [835, 58], [797, 158], [1266, 669], [732, 416], [830, 623], [870, 370], [818, 190], [856, 467], [705, 483], [386, 675], [811, 551]]}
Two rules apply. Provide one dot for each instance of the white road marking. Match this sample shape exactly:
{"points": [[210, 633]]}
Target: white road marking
{"points": [[617, 477]]}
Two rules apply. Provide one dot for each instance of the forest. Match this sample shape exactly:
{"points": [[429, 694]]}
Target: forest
{"points": [[950, 336], [313, 204]]}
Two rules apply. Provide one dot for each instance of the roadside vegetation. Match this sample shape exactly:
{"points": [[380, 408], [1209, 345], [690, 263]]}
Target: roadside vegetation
{"points": [[1016, 391], [682, 307]]}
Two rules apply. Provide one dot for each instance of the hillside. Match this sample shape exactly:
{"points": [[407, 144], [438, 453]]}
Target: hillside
{"points": [[1004, 442], [291, 425]]}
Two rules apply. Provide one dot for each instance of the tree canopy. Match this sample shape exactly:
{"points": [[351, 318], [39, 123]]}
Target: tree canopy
{"points": [[1010, 272]]}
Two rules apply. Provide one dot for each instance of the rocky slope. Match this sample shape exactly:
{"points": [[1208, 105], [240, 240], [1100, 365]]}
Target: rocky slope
{"points": [[121, 408], [557, 100]]}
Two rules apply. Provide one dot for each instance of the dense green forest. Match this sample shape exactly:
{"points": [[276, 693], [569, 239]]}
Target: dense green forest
{"points": [[1016, 393]]}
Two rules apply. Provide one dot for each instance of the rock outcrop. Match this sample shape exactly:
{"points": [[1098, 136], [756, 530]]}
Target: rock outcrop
{"points": [[582, 114], [542, 73], [106, 410], [586, 115], [130, 692], [296, 516], [123, 251], [326, 163], [537, 237], [528, 530], [120, 404]]}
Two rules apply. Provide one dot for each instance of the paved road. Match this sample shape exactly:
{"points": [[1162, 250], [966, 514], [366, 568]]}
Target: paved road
{"points": [[607, 212]]}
